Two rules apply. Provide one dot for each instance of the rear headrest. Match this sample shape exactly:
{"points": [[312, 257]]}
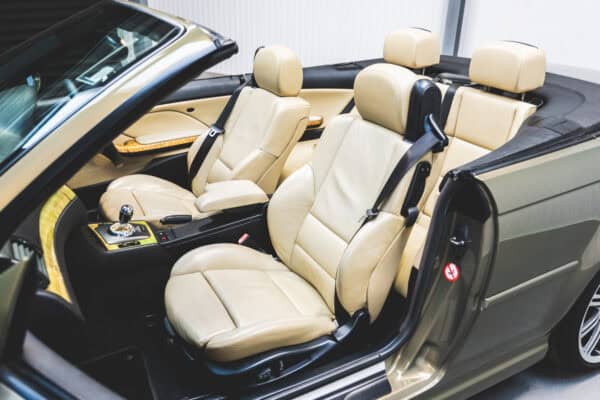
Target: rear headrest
{"points": [[510, 66], [412, 48], [382, 95], [278, 70]]}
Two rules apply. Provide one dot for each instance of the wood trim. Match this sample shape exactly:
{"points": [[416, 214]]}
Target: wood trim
{"points": [[133, 146], [49, 215]]}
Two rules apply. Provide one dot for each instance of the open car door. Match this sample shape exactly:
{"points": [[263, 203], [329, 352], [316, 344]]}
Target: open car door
{"points": [[506, 260]]}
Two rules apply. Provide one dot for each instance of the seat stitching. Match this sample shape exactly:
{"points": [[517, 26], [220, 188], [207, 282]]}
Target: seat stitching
{"points": [[335, 155], [284, 293], [315, 261], [219, 295], [327, 226]]}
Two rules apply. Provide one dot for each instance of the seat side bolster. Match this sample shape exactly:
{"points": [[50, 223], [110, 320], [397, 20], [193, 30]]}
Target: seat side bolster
{"points": [[290, 203], [362, 259], [259, 337], [202, 176]]}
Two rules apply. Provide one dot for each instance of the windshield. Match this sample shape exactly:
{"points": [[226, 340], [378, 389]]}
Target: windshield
{"points": [[44, 81]]}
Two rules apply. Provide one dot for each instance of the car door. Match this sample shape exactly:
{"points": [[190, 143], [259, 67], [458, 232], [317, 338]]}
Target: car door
{"points": [[546, 243], [168, 129]]}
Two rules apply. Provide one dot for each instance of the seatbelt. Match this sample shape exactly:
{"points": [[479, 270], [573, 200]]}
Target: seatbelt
{"points": [[447, 104], [218, 128], [348, 107], [432, 140]]}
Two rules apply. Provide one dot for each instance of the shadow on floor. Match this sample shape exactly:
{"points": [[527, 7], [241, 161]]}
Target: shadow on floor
{"points": [[545, 381]]}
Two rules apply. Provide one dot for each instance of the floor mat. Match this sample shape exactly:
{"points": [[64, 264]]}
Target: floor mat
{"points": [[124, 371]]}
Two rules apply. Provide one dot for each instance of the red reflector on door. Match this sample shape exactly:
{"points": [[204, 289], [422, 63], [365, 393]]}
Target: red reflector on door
{"points": [[451, 272]]}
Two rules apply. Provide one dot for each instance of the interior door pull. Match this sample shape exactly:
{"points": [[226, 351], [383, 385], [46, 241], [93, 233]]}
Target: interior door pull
{"points": [[314, 121]]}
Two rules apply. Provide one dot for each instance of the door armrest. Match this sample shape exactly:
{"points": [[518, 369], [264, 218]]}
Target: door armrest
{"points": [[230, 194]]}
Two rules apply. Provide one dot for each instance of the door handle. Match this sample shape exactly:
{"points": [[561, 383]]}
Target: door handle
{"points": [[314, 121]]}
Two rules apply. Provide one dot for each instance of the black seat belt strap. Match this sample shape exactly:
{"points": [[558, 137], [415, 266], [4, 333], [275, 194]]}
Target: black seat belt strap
{"points": [[218, 128], [432, 140], [447, 104]]}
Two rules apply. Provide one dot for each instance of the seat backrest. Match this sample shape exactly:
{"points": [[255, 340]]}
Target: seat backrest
{"points": [[315, 215], [265, 124], [479, 121]]}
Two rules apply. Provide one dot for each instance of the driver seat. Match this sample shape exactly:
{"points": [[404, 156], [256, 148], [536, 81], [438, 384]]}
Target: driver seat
{"points": [[230, 302]]}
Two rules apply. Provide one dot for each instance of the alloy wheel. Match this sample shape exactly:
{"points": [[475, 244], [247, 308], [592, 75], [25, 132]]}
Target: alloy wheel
{"points": [[589, 330]]}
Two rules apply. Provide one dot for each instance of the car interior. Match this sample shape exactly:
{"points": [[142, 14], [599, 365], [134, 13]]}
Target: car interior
{"points": [[173, 268]]}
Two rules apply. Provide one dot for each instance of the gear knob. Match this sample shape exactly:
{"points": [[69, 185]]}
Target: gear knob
{"points": [[125, 214]]}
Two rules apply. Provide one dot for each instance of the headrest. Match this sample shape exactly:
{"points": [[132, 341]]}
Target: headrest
{"points": [[412, 48], [382, 95], [510, 66], [278, 70]]}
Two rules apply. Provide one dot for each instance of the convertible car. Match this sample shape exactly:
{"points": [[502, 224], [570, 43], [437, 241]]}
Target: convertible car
{"points": [[411, 226]]}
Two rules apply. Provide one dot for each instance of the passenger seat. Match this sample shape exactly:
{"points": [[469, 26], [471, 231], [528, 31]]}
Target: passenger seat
{"points": [[231, 302], [413, 48], [261, 131], [480, 120]]}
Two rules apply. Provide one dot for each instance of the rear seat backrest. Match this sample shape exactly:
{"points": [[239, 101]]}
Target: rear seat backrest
{"points": [[478, 122]]}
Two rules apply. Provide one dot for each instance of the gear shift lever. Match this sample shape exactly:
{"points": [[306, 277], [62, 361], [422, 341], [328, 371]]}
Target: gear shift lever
{"points": [[123, 227]]}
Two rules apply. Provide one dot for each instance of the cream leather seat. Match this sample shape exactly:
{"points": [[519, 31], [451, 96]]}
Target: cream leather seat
{"points": [[479, 122], [264, 126], [231, 302], [413, 48]]}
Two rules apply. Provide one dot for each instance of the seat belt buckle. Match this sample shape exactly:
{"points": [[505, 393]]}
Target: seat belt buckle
{"points": [[432, 126], [214, 131]]}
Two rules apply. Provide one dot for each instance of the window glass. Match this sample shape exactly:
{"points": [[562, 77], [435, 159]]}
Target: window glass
{"points": [[47, 79]]}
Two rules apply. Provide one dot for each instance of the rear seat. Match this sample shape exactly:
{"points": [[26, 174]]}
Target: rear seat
{"points": [[479, 121]]}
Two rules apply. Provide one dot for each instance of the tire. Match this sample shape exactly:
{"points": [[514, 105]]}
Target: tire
{"points": [[567, 348]]}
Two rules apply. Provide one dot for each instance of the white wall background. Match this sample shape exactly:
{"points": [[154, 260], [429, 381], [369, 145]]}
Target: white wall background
{"points": [[319, 31], [568, 31], [331, 31]]}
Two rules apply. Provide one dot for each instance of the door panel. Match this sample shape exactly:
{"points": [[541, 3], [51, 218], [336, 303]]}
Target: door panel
{"points": [[548, 248], [327, 103]]}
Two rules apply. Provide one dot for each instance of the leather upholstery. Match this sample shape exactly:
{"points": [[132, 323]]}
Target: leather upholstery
{"points": [[259, 134], [234, 302], [261, 131], [412, 48], [278, 70], [152, 198], [390, 82], [478, 122], [230, 194], [511, 66]]}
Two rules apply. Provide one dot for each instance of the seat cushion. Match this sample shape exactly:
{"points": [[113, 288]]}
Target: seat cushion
{"points": [[233, 302], [152, 198]]}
